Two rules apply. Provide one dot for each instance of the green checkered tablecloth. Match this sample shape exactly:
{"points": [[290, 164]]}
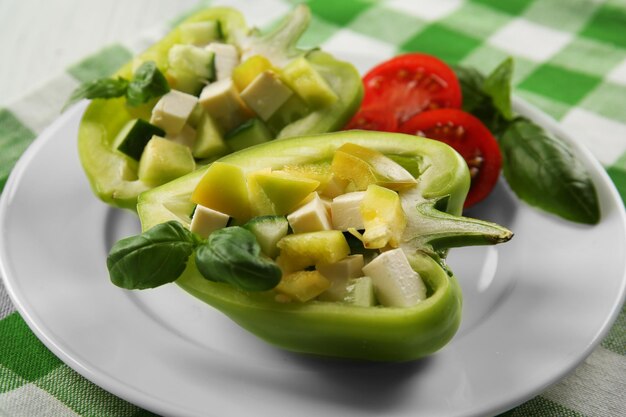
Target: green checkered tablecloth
{"points": [[570, 62]]}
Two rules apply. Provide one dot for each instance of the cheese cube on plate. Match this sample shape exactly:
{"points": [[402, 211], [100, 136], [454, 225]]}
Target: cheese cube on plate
{"points": [[265, 94], [311, 217], [395, 282], [226, 59], [206, 220], [346, 211], [222, 102], [172, 111]]}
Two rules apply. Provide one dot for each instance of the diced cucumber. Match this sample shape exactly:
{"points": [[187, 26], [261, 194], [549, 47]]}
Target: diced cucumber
{"points": [[134, 136], [294, 109], [209, 141], [190, 67], [163, 160], [268, 231], [200, 33], [251, 133], [302, 78], [360, 292]]}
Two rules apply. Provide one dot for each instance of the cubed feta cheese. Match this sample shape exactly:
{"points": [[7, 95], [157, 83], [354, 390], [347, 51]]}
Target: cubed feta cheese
{"points": [[226, 58], [310, 217], [339, 273], [265, 94], [222, 102], [395, 282], [172, 111], [187, 136], [346, 211], [206, 220]]}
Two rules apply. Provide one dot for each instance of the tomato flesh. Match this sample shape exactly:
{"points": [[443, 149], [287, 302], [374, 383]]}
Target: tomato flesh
{"points": [[409, 84], [373, 119], [470, 138]]}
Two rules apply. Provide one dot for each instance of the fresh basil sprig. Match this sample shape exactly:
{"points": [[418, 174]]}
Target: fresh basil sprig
{"points": [[540, 168], [153, 258], [146, 83], [542, 171], [159, 256], [233, 255]]}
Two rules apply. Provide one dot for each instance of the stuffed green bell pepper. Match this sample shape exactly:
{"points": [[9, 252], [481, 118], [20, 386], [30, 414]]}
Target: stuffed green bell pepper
{"points": [[210, 87], [330, 245]]}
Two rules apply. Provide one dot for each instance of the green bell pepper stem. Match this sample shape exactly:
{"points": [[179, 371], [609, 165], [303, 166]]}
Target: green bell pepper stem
{"points": [[113, 175], [338, 329]]}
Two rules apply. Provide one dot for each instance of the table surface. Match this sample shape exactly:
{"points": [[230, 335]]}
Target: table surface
{"points": [[34, 49]]}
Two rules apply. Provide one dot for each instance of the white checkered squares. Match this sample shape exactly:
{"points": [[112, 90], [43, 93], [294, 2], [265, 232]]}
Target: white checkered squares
{"points": [[618, 74], [518, 36], [428, 10], [605, 138], [362, 51]]}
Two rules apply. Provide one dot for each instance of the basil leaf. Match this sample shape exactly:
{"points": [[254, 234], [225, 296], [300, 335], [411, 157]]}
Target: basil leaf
{"points": [[488, 98], [102, 88], [153, 258], [498, 86], [147, 83], [233, 255], [471, 82], [542, 170]]}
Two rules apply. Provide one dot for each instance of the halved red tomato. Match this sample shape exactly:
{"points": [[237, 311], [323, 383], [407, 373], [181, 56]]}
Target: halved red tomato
{"points": [[469, 137], [409, 84], [373, 119]]}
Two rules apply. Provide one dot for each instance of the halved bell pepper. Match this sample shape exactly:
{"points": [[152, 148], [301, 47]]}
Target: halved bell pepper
{"points": [[113, 175], [433, 208]]}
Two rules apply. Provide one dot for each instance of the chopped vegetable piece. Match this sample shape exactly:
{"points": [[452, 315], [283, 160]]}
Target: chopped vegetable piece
{"points": [[339, 274], [248, 70], [223, 188], [302, 78], [133, 137], [360, 292], [303, 285], [187, 136], [363, 166], [268, 230], [383, 218], [252, 132], [200, 33], [163, 160], [226, 59], [284, 191], [209, 141], [308, 249]]}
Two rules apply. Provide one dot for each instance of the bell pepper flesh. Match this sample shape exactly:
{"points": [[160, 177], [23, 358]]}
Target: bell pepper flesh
{"points": [[330, 328], [112, 175]]}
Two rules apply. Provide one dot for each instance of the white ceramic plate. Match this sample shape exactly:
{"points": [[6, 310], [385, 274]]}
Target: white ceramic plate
{"points": [[534, 308]]}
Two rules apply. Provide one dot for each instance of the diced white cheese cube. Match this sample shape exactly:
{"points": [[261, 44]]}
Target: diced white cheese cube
{"points": [[395, 282], [346, 211], [172, 111], [265, 94], [222, 102], [310, 217], [339, 274], [187, 136], [226, 59], [206, 220]]}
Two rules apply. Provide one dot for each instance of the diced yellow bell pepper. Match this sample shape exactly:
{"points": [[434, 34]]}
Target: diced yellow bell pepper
{"points": [[303, 285], [223, 188]]}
